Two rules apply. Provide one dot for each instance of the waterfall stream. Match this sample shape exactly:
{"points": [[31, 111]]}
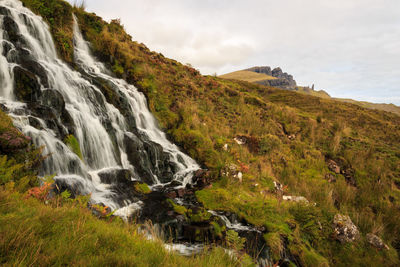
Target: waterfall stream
{"points": [[72, 102]]}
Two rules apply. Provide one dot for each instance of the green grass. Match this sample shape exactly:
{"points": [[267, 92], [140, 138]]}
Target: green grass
{"points": [[203, 113], [34, 234]]}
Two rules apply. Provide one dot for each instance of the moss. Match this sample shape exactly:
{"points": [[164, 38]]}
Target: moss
{"points": [[308, 256], [73, 144], [177, 208], [142, 188], [218, 230], [200, 215]]}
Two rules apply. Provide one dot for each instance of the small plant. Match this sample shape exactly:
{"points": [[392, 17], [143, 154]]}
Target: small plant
{"points": [[40, 192], [73, 144], [234, 241]]}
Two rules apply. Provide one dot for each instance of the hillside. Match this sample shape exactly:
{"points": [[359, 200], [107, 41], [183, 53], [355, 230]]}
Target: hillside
{"points": [[258, 75], [340, 157], [248, 76]]}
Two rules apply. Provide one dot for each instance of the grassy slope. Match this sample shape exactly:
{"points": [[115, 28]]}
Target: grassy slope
{"points": [[203, 113], [248, 76], [385, 107], [65, 233]]}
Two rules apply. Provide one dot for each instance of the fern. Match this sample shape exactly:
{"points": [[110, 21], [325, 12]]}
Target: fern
{"points": [[66, 195], [234, 241]]}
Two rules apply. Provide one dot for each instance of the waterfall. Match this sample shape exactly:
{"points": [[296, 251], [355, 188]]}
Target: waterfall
{"points": [[119, 144]]}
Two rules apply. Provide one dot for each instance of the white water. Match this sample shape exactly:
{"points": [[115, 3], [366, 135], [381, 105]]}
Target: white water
{"points": [[233, 225], [87, 111], [5, 73], [145, 121]]}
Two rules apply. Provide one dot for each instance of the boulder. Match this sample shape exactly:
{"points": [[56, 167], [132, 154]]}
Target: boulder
{"points": [[344, 230], [295, 199], [278, 186], [240, 140], [115, 176], [375, 241]]}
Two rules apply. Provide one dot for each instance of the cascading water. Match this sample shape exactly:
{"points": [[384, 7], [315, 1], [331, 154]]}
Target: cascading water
{"points": [[67, 102], [120, 142]]}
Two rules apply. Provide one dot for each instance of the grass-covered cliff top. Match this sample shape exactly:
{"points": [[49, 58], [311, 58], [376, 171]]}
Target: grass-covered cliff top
{"points": [[289, 137]]}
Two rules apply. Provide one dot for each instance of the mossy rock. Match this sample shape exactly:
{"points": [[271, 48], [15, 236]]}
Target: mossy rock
{"points": [[142, 188], [26, 85]]}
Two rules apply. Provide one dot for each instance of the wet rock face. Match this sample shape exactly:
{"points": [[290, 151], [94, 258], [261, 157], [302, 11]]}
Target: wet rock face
{"points": [[115, 176], [149, 159], [54, 100], [26, 85], [375, 241], [344, 229]]}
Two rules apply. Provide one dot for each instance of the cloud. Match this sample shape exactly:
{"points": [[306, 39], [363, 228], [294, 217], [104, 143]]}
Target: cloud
{"points": [[350, 48]]}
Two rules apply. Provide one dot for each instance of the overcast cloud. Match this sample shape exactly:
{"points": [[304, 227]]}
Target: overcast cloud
{"points": [[350, 48]]}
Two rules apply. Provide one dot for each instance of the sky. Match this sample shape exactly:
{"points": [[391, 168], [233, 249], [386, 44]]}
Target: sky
{"points": [[349, 48]]}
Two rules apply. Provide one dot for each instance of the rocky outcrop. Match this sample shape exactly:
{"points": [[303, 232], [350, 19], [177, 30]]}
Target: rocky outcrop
{"points": [[339, 166], [344, 230], [283, 80], [375, 241]]}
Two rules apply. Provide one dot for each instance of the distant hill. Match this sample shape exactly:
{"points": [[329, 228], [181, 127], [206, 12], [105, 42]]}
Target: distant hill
{"points": [[276, 78], [381, 106], [248, 76]]}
